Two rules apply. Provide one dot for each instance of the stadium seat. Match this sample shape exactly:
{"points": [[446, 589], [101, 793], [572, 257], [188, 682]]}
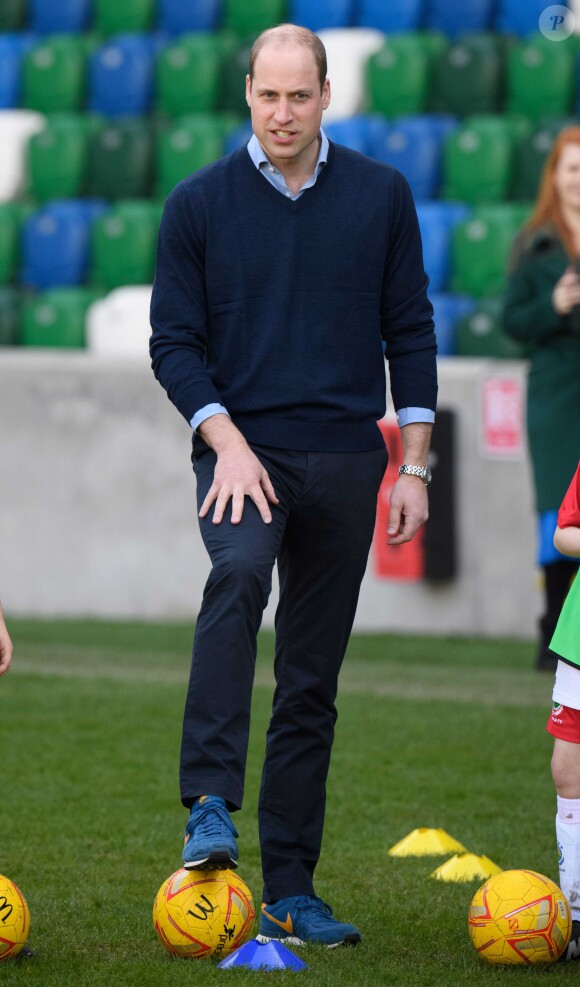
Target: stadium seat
{"points": [[480, 334], [118, 324], [123, 244], [16, 128], [56, 317], [54, 74], [397, 77], [188, 75], [121, 160], [389, 16], [191, 143], [55, 244], [456, 17], [359, 132], [414, 145], [540, 79], [12, 50], [12, 15], [321, 15], [232, 91], [57, 157], [11, 217], [10, 303], [247, 20], [448, 310], [121, 76], [348, 50], [478, 160], [176, 17], [515, 17], [481, 247], [530, 155], [238, 137], [131, 16], [436, 222], [58, 16], [467, 77]]}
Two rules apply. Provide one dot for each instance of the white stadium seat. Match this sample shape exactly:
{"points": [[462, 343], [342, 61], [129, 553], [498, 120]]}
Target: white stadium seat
{"points": [[16, 127], [118, 325], [347, 51]]}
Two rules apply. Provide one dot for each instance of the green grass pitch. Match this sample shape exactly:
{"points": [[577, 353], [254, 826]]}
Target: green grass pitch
{"points": [[431, 732]]}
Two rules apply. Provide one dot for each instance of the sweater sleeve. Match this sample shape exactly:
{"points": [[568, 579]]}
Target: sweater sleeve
{"points": [[406, 312], [178, 343]]}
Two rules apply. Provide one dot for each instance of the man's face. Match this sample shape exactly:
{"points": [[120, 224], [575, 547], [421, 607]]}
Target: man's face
{"points": [[286, 104]]}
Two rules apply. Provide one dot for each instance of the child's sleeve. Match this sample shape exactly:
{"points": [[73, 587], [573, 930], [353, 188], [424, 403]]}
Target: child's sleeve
{"points": [[569, 513]]}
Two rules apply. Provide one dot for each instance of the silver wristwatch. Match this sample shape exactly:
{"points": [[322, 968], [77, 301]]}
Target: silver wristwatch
{"points": [[423, 472]]}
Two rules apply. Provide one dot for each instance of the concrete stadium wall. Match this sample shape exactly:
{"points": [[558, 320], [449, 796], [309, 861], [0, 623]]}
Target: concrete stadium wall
{"points": [[98, 516]]}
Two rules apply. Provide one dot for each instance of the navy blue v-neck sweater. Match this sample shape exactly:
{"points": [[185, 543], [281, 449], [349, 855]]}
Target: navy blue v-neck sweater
{"points": [[277, 309]]}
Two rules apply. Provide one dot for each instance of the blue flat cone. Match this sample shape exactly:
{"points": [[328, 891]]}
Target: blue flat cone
{"points": [[263, 956]]}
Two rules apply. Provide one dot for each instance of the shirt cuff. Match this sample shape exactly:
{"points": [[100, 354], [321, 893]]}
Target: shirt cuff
{"points": [[407, 416], [206, 412]]}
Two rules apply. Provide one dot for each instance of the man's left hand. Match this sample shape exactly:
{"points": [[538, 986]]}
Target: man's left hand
{"points": [[409, 509]]}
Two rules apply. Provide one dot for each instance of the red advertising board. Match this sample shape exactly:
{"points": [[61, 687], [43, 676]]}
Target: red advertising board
{"points": [[397, 562]]}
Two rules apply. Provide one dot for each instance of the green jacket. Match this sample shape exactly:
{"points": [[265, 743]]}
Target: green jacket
{"points": [[553, 347]]}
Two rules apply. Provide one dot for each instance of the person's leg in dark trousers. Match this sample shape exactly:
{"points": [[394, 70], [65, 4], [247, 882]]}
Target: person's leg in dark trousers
{"points": [[217, 710], [321, 563]]}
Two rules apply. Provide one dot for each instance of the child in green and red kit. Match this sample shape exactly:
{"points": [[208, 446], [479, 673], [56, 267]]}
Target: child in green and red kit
{"points": [[564, 722]]}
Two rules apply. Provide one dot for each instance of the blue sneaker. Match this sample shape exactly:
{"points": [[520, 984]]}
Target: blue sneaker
{"points": [[210, 836], [303, 919]]}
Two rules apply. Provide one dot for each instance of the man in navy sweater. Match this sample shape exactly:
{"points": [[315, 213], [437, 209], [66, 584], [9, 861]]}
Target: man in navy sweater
{"points": [[283, 271]]}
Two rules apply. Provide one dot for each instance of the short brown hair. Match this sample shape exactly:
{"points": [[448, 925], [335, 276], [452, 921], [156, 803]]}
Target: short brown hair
{"points": [[291, 34]]}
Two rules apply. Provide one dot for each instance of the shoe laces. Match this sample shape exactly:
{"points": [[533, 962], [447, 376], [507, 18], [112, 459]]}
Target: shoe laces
{"points": [[210, 818], [313, 910]]}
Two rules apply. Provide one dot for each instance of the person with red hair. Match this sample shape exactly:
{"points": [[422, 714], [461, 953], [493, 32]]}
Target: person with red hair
{"points": [[542, 310]]}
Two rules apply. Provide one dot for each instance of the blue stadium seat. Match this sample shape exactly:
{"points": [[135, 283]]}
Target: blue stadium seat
{"points": [[55, 244], [238, 137], [414, 146], [58, 16], [322, 14], [519, 16], [177, 17], [359, 132], [455, 17], [436, 221], [121, 76], [12, 48], [390, 16], [448, 310]]}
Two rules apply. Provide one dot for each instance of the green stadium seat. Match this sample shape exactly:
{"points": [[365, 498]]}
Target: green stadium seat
{"points": [[123, 245], [530, 156], [111, 17], [54, 74], [481, 246], [249, 19], [57, 157], [540, 78], [480, 334], [397, 76], [467, 77], [191, 143], [478, 158], [11, 215], [56, 317], [12, 15], [234, 69], [10, 305], [121, 160], [188, 75]]}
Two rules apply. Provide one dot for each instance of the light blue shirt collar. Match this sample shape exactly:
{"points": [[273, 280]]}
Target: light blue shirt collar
{"points": [[274, 176]]}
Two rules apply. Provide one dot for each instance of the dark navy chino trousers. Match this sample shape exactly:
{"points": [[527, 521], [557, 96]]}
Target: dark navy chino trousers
{"points": [[320, 536]]}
